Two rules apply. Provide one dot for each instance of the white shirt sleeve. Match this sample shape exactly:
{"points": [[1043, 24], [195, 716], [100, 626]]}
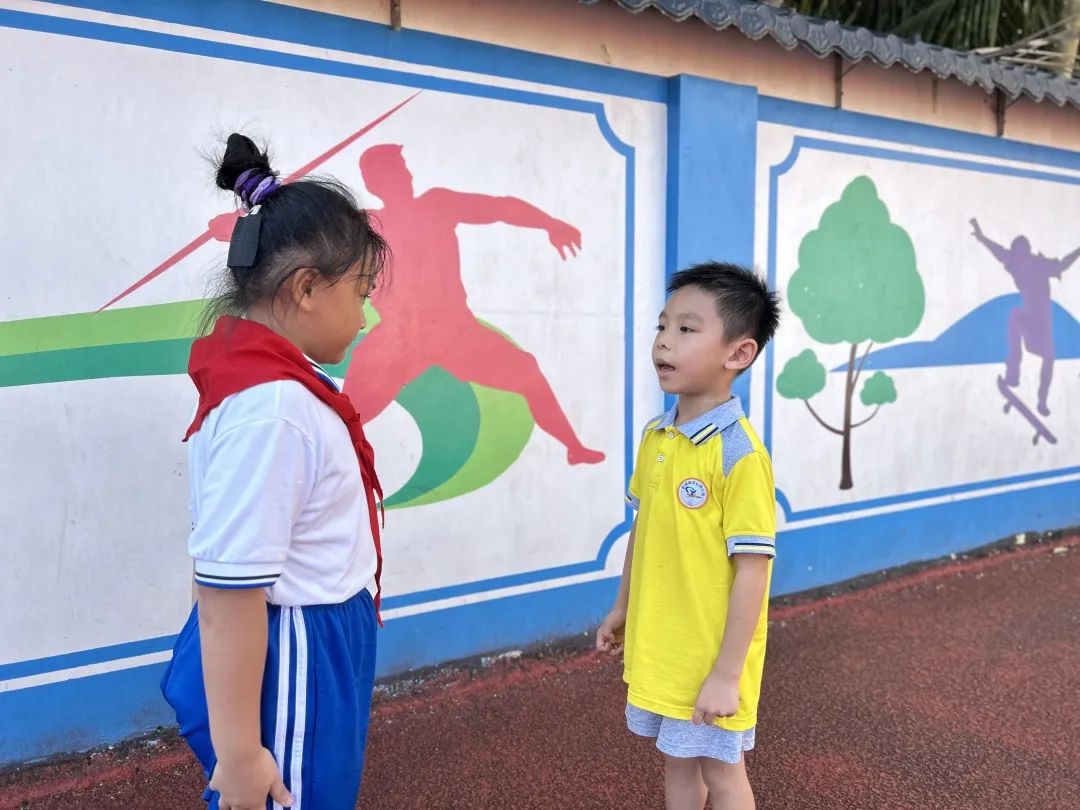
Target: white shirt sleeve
{"points": [[257, 478]]}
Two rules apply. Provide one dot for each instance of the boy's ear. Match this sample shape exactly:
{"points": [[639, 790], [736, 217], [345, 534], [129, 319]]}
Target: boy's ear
{"points": [[743, 355]]}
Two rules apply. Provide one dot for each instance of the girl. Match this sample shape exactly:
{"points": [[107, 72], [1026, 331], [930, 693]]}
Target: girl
{"points": [[271, 677]]}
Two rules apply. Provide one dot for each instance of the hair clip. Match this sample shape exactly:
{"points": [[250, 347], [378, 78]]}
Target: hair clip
{"points": [[244, 244]]}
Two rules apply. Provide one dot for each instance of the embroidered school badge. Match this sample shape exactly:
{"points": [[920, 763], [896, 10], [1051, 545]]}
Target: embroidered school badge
{"points": [[693, 494]]}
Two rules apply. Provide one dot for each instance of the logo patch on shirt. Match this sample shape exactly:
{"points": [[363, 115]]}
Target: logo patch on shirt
{"points": [[693, 493]]}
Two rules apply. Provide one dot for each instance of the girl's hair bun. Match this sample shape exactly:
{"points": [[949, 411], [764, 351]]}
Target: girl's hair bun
{"points": [[241, 155]]}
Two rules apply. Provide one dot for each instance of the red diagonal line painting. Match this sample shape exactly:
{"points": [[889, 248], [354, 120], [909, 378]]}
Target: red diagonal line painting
{"points": [[306, 169]]}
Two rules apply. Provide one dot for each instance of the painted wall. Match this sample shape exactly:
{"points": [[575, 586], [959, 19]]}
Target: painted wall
{"points": [[953, 358], [506, 458]]}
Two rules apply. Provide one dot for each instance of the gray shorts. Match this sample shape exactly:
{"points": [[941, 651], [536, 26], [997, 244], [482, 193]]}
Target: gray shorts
{"points": [[681, 738]]}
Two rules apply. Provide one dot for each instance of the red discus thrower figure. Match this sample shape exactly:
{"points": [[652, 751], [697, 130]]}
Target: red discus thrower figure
{"points": [[424, 313]]}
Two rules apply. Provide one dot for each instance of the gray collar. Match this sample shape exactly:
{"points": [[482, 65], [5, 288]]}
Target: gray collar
{"points": [[708, 424]]}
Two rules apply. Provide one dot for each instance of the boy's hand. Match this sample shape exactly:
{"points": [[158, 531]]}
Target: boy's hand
{"points": [[719, 697], [976, 231], [609, 638], [246, 781]]}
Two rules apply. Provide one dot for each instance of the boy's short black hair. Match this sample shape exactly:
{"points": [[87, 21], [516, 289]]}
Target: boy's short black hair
{"points": [[744, 301]]}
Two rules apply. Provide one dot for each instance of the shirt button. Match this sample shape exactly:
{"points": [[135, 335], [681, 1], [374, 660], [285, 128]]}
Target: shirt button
{"points": [[660, 457], [670, 435]]}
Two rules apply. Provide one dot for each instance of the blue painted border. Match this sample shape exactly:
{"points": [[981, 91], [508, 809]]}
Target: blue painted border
{"points": [[84, 712], [862, 125], [931, 138], [815, 556], [82, 658], [304, 27], [259, 56], [187, 45], [711, 180], [712, 166], [81, 713]]}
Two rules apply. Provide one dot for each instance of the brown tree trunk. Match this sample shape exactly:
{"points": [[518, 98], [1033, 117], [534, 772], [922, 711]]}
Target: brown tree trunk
{"points": [[849, 390]]}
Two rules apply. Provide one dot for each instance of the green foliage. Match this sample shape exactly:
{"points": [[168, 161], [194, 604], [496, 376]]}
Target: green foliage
{"points": [[802, 378], [857, 278], [959, 24], [878, 390]]}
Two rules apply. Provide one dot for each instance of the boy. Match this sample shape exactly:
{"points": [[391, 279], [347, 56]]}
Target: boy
{"points": [[701, 549]]}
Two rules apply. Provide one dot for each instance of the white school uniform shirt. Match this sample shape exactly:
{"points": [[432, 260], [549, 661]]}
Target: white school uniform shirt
{"points": [[277, 501]]}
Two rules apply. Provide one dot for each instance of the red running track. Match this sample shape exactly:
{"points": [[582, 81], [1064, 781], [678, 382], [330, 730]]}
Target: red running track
{"points": [[957, 687]]}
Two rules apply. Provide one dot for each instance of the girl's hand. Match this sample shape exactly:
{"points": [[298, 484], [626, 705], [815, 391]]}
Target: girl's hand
{"points": [[719, 697], [609, 637], [244, 782]]}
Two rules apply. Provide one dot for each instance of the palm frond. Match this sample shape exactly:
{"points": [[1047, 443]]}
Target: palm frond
{"points": [[960, 24]]}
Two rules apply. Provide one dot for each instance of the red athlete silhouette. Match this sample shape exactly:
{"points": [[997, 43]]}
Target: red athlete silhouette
{"points": [[424, 313]]}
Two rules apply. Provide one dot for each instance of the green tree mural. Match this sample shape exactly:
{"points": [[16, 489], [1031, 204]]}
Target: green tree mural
{"points": [[857, 283]]}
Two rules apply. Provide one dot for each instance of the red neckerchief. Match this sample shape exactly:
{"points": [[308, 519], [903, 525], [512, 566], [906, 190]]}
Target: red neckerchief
{"points": [[241, 354]]}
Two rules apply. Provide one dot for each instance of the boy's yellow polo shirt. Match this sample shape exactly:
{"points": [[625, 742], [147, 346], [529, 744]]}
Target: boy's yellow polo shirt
{"points": [[704, 492]]}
